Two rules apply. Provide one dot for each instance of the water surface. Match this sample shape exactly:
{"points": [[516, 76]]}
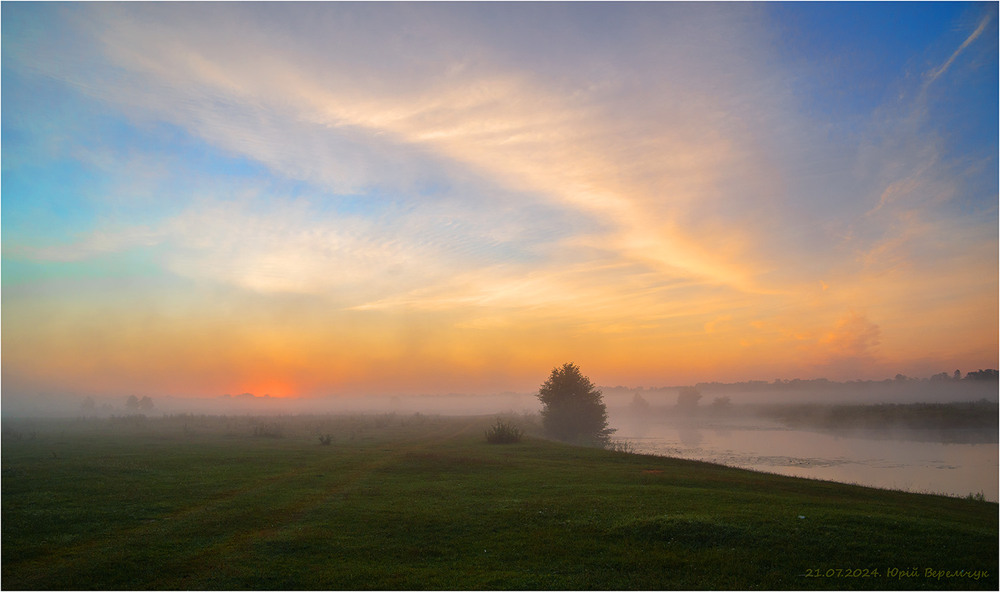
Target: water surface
{"points": [[896, 460]]}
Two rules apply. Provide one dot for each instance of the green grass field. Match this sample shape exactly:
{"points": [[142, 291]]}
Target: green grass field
{"points": [[418, 502]]}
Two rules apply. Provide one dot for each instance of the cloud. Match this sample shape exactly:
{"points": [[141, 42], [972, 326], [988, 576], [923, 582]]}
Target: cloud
{"points": [[936, 73], [853, 336], [643, 181], [100, 242], [645, 173], [714, 325]]}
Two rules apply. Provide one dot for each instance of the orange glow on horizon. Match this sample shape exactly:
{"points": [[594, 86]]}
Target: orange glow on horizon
{"points": [[272, 387]]}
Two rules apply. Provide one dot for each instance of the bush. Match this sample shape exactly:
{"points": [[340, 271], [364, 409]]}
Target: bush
{"points": [[623, 446], [325, 439], [504, 433]]}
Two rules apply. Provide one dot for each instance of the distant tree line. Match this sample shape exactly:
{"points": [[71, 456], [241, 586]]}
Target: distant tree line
{"points": [[976, 376], [988, 374], [978, 415], [823, 383], [133, 405]]}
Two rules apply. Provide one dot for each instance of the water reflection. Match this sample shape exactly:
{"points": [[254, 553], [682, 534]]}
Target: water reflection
{"points": [[884, 460], [689, 437]]}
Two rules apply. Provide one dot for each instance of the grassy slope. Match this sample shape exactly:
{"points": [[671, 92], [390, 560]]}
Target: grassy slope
{"points": [[417, 502]]}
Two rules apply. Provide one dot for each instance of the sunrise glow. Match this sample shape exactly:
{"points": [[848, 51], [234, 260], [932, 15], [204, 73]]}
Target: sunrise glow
{"points": [[327, 199]]}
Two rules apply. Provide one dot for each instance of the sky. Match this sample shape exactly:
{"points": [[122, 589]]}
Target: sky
{"points": [[328, 199]]}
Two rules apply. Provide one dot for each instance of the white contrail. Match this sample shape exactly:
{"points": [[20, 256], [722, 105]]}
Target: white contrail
{"points": [[934, 74]]}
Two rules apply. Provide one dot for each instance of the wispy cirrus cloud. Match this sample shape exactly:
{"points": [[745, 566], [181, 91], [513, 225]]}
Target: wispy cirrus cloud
{"points": [[642, 172], [650, 180], [936, 73]]}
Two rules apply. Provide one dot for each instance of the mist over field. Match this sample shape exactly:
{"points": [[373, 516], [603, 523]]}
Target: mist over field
{"points": [[712, 398], [937, 435]]}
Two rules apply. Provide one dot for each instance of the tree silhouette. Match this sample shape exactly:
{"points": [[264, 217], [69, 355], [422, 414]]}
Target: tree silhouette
{"points": [[988, 374], [639, 404], [573, 410], [687, 398], [722, 404], [134, 404]]}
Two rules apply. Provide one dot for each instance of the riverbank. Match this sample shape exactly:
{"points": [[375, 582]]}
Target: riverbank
{"points": [[907, 459], [412, 501]]}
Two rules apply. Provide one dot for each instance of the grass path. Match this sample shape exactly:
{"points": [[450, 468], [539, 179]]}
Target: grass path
{"points": [[284, 518]]}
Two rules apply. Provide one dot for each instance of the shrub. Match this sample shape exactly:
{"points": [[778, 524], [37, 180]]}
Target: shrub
{"points": [[623, 446], [503, 433], [325, 439]]}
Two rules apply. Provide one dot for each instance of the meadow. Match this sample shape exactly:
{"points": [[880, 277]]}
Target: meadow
{"points": [[424, 502]]}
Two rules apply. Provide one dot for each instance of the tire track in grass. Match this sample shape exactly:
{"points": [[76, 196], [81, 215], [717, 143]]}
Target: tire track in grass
{"points": [[240, 542], [66, 561]]}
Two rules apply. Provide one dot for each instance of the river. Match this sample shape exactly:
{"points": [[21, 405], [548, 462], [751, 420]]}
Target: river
{"points": [[896, 460]]}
